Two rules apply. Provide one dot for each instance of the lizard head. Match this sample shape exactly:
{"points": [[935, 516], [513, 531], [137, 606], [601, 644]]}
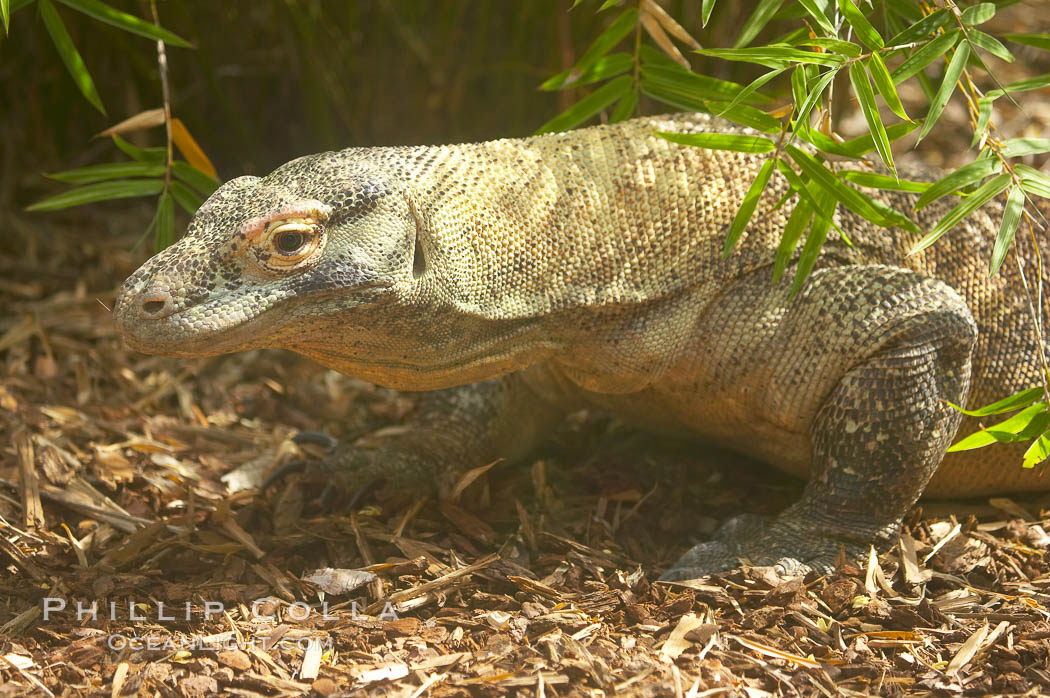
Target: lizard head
{"points": [[267, 262]]}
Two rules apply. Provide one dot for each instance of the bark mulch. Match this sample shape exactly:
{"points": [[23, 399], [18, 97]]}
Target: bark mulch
{"points": [[130, 485]]}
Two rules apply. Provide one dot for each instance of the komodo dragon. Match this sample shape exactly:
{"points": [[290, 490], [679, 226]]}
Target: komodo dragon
{"points": [[523, 278]]}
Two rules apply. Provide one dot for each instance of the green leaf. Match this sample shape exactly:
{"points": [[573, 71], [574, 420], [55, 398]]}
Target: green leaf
{"points": [[763, 12], [944, 93], [964, 176], [722, 141], [866, 97], [195, 178], [797, 223], [1038, 452], [773, 56], [613, 34], [984, 116], [681, 81], [1007, 404], [802, 112], [854, 147], [747, 206], [1036, 40], [881, 76], [811, 194], [991, 45], [70, 56], [818, 233], [747, 116], [154, 155], [907, 9], [880, 181], [625, 108], [99, 191], [865, 32], [861, 204], [987, 191], [1033, 181], [845, 48], [817, 13], [758, 82], [1011, 217], [115, 170], [923, 28], [605, 67], [798, 84], [978, 14], [705, 11], [589, 105], [924, 55], [5, 14], [104, 13], [1006, 431], [186, 197], [165, 222], [1016, 147]]}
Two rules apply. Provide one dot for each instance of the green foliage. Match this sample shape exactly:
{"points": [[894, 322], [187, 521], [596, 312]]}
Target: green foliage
{"points": [[937, 47]]}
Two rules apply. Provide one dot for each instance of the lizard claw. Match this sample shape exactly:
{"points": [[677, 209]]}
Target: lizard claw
{"points": [[316, 438]]}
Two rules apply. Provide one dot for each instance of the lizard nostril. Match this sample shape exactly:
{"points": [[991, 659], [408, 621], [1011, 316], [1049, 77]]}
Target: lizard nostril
{"points": [[156, 305]]}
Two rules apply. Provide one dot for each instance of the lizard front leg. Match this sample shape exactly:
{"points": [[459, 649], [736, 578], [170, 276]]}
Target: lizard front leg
{"points": [[896, 346], [451, 431]]}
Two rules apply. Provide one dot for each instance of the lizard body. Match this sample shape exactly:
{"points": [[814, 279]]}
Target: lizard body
{"points": [[521, 278]]}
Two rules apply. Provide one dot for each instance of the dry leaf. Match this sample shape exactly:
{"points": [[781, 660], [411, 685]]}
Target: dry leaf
{"points": [[150, 118]]}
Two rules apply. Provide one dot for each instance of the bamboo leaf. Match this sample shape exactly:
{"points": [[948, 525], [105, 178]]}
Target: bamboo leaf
{"points": [[605, 67], [944, 93], [880, 181], [866, 97], [815, 92], [1034, 83], [797, 223], [747, 206], [846, 48], [987, 191], [115, 170], [861, 204], [924, 55], [69, 54], [763, 12], [1007, 404], [722, 141], [200, 181], [705, 11], [774, 56], [1033, 181], [991, 45], [5, 14], [1035, 40], [1038, 452], [154, 155], [747, 116], [104, 13], [1011, 217], [854, 147], [690, 85], [984, 117], [99, 191], [625, 108], [589, 105], [865, 32], [1006, 431], [758, 82], [881, 76], [923, 28], [1016, 147], [817, 13], [978, 14], [818, 233], [605, 42], [669, 24], [185, 197], [164, 233], [964, 176]]}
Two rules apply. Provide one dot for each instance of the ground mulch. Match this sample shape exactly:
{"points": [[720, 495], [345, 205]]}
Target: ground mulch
{"points": [[132, 483]]}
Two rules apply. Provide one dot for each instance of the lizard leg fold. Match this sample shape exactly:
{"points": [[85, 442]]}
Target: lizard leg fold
{"points": [[876, 439], [452, 431]]}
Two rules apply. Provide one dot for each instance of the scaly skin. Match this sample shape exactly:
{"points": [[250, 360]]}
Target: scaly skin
{"points": [[585, 269]]}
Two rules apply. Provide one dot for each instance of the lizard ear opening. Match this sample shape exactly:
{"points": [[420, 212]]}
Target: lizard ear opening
{"points": [[419, 262]]}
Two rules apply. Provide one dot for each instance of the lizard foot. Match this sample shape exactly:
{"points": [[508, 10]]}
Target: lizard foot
{"points": [[790, 550], [355, 470]]}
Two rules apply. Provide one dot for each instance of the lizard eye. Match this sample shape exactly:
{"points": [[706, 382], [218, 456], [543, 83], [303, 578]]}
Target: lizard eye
{"points": [[289, 241]]}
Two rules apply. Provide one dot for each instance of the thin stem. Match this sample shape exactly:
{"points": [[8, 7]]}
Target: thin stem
{"points": [[162, 66]]}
